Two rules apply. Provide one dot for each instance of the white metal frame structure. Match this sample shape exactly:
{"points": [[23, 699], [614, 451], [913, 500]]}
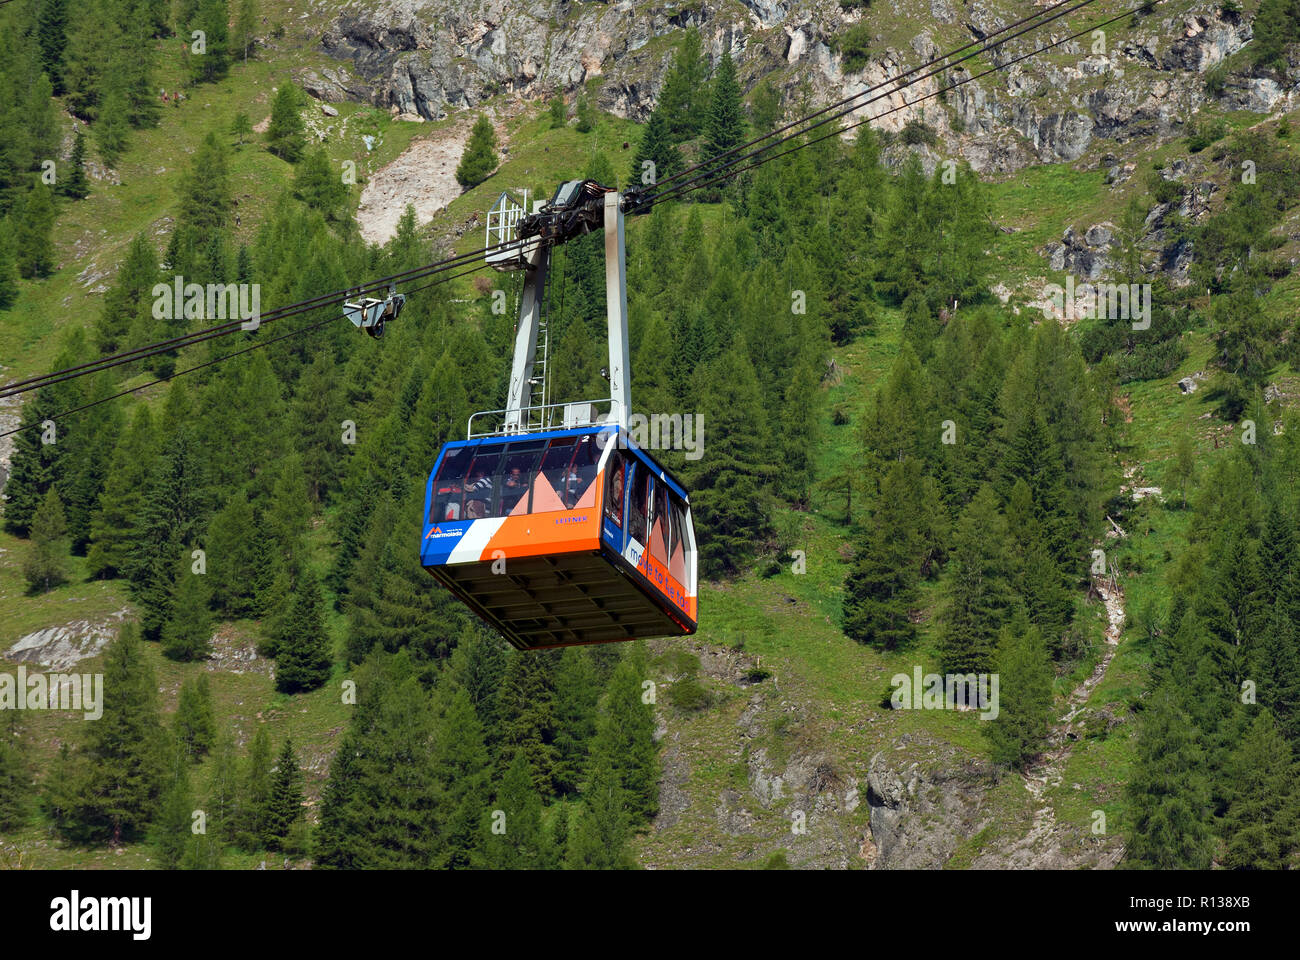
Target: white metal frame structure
{"points": [[522, 414]]}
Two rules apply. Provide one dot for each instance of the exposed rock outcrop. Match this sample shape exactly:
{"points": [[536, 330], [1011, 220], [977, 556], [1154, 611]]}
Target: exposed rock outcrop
{"points": [[432, 57], [62, 647]]}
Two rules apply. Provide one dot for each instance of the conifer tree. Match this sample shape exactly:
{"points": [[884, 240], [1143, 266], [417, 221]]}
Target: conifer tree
{"points": [[284, 802], [232, 557], [478, 665], [598, 838], [558, 111], [75, 185], [213, 18], [127, 307], [59, 791], [765, 108], [241, 127], [729, 494], [172, 828], [52, 39], [526, 706], [880, 590], [83, 58], [170, 515], [725, 127], [576, 695], [130, 69], [318, 403], [1261, 830], [275, 600], [977, 590], [1277, 664], [1232, 604], [8, 265], [112, 126], [15, 774], [112, 526], [684, 97], [255, 792], [289, 510], [203, 851], [919, 324], [39, 459], [186, 11], [86, 466], [523, 842], [1167, 792], [480, 157], [1277, 549], [800, 416], [41, 122], [284, 135], [245, 29], [1036, 578], [195, 726], [303, 648], [187, 634], [393, 605], [35, 241], [340, 845], [205, 202], [118, 773], [318, 186], [460, 764], [625, 738], [46, 565], [657, 157], [1024, 695], [382, 801], [223, 791]]}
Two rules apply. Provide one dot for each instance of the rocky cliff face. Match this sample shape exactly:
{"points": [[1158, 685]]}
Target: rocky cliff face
{"points": [[931, 808], [1142, 79]]}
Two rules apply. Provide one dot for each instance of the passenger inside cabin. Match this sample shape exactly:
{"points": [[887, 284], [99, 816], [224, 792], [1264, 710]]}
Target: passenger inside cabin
{"points": [[478, 491], [572, 488], [515, 486], [614, 503]]}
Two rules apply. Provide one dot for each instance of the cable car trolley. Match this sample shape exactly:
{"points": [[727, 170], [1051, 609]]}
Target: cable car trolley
{"points": [[548, 521], [371, 314]]}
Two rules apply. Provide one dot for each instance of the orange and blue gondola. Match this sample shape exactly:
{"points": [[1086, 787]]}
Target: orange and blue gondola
{"points": [[562, 537]]}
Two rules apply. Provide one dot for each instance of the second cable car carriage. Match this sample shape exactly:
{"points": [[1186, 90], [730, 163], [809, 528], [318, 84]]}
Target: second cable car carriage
{"points": [[549, 521]]}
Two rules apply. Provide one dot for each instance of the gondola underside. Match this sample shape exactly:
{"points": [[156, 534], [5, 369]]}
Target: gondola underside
{"points": [[561, 600]]}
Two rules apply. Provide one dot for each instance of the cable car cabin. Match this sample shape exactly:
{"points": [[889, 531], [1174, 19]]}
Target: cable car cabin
{"points": [[563, 537]]}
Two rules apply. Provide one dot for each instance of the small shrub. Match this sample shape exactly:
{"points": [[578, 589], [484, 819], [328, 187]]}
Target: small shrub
{"points": [[854, 47], [1165, 191], [917, 131], [687, 693], [586, 115], [678, 661], [1216, 80], [1204, 134], [778, 860]]}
